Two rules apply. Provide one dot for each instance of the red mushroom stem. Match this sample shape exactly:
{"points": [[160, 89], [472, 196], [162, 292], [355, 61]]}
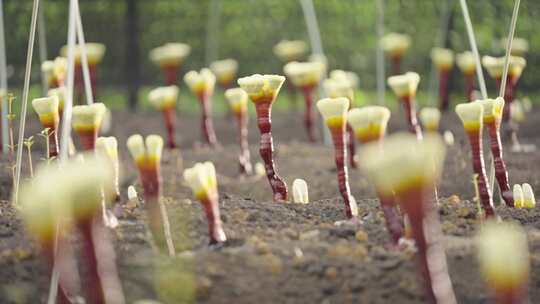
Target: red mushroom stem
{"points": [[170, 119], [479, 169], [170, 72], [396, 64], [338, 137], [151, 182], [351, 144], [53, 138], [215, 226], [309, 115], [500, 167], [206, 120], [266, 150], [64, 252], [88, 138], [426, 231], [392, 216], [515, 295], [92, 69], [244, 156], [508, 95], [412, 120], [92, 282], [444, 98], [469, 86]]}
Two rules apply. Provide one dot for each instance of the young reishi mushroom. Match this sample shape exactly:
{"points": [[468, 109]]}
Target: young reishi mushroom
{"points": [[405, 86], [395, 45], [169, 57], [306, 77], [444, 61], [409, 169], [164, 99], [238, 99], [503, 254], [86, 122], [430, 118], [108, 147], [467, 64], [263, 91], [202, 180], [47, 110], [471, 115], [225, 71], [202, 86], [334, 112]]}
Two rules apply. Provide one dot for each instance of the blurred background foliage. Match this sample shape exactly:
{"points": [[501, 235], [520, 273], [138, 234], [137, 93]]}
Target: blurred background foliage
{"points": [[249, 29]]}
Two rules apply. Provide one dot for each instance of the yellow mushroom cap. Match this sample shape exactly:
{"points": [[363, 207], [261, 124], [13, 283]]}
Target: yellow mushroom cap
{"points": [[517, 192], [520, 46], [164, 97], [304, 73], [225, 70], [494, 66], [135, 145], [300, 191], [237, 99], [471, 115], [46, 106], [47, 67], [493, 109], [258, 85], [154, 146], [404, 85], [336, 88], [466, 62], [516, 66], [503, 254], [201, 178], [289, 50], [109, 146], [88, 117], [442, 58], [334, 111], [517, 111], [369, 122], [529, 201], [145, 152], [200, 82], [430, 117], [395, 44], [94, 52], [170, 54], [405, 162], [350, 77], [60, 93]]}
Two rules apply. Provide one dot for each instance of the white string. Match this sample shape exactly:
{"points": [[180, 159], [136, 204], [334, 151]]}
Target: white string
{"points": [[24, 100], [380, 54], [474, 48], [3, 82], [66, 117], [84, 57], [42, 40], [509, 48]]}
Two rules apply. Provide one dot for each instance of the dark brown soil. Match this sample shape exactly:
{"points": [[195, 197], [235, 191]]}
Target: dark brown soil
{"points": [[277, 253]]}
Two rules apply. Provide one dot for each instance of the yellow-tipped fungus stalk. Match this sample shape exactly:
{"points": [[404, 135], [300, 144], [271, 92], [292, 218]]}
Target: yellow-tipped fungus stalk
{"points": [[529, 202], [334, 112], [306, 77], [263, 91], [492, 113], [95, 52], [395, 46], [225, 71], [238, 100], [520, 46], [404, 169], [290, 50], [467, 64], [444, 61], [108, 147], [430, 118], [169, 57], [369, 123], [164, 99], [405, 86], [47, 110], [503, 254], [59, 92], [201, 178], [471, 114], [202, 85], [86, 122], [300, 191], [517, 195], [147, 156]]}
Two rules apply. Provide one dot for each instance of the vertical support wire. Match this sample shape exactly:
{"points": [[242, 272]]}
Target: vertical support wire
{"points": [[3, 82], [84, 56], [509, 42], [380, 54], [68, 106], [42, 40], [24, 100]]}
